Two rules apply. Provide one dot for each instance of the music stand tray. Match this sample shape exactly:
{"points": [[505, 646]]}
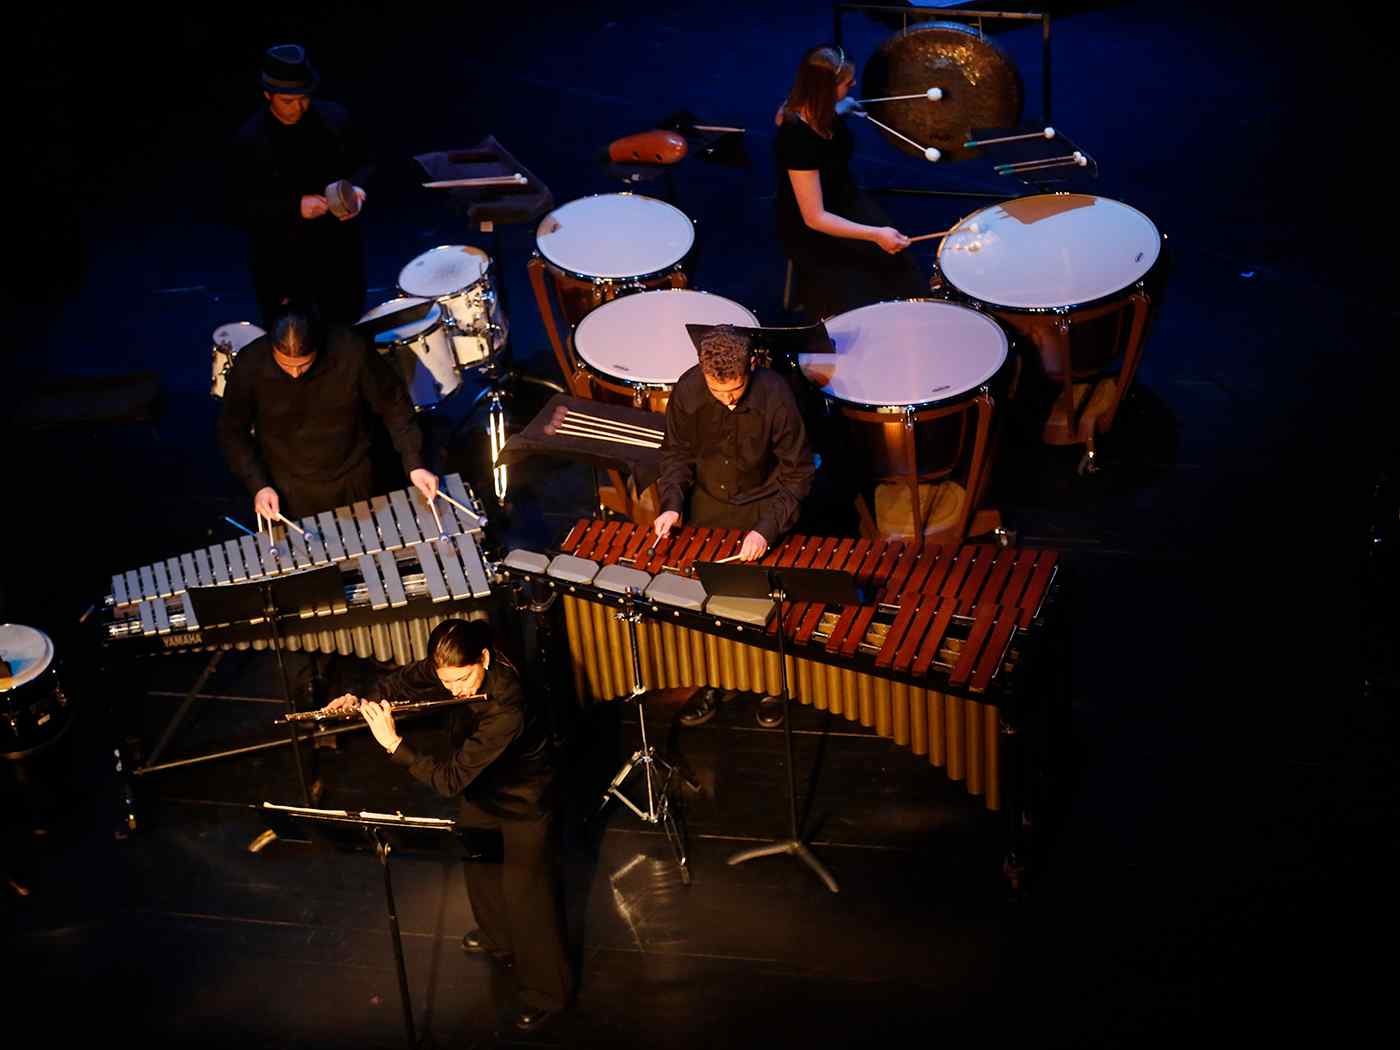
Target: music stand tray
{"points": [[273, 598], [783, 585]]}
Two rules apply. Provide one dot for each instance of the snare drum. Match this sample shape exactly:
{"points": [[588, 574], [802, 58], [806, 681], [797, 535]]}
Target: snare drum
{"points": [[636, 347], [1073, 273], [458, 277], [912, 380], [34, 711], [420, 351], [597, 248], [228, 340]]}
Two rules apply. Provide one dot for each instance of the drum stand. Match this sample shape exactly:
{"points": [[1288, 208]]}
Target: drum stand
{"points": [[495, 394], [658, 772]]}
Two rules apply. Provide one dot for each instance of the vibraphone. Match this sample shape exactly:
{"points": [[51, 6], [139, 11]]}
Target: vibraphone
{"points": [[402, 577], [931, 663]]}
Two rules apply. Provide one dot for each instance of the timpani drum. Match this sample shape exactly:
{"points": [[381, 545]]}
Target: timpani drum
{"points": [[228, 340], [912, 380], [34, 711], [1073, 273], [636, 347], [419, 351], [458, 277], [598, 248]]}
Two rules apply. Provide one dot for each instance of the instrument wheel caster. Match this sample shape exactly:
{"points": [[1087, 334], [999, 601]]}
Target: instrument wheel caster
{"points": [[1088, 465]]}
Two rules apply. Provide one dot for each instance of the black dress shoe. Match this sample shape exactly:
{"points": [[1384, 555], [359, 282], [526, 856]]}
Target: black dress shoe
{"points": [[528, 1018], [702, 705], [770, 712], [474, 942]]}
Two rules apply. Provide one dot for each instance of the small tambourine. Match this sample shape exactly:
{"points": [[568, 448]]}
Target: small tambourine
{"points": [[344, 202]]}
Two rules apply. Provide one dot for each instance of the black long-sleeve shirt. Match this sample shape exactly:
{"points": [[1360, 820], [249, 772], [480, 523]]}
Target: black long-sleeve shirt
{"points": [[274, 165], [751, 464], [309, 262], [498, 752], [307, 433]]}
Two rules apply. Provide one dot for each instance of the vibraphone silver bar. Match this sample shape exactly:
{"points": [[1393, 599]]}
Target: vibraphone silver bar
{"points": [[402, 577]]}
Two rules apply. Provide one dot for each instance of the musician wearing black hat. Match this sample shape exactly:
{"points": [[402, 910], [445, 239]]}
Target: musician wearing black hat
{"points": [[296, 181], [294, 426], [735, 456], [499, 766]]}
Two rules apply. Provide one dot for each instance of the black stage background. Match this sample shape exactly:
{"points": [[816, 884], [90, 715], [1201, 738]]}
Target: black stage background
{"points": [[1219, 860]]}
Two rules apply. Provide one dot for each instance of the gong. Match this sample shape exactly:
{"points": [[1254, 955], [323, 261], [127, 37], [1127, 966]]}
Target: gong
{"points": [[981, 87]]}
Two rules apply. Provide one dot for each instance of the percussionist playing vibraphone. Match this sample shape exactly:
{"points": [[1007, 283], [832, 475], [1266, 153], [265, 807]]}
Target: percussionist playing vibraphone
{"points": [[735, 456]]}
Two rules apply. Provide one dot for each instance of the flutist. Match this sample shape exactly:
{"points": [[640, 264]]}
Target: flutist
{"points": [[500, 767]]}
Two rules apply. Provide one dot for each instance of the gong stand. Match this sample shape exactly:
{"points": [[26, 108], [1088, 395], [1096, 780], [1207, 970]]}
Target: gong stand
{"points": [[950, 146]]}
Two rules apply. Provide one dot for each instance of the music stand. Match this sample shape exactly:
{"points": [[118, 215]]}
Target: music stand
{"points": [[385, 832], [267, 599], [827, 586]]}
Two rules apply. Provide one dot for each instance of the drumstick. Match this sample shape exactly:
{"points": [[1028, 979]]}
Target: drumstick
{"points": [[436, 517], [931, 153], [1045, 162], [726, 561], [460, 506], [613, 423], [290, 523], [574, 432], [714, 127], [929, 236], [1048, 133], [491, 180], [933, 94]]}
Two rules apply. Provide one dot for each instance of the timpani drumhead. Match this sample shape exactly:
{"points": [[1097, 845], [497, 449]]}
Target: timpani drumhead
{"points": [[615, 235], [641, 338], [237, 335], [911, 352], [1049, 250], [443, 271], [28, 652], [409, 329]]}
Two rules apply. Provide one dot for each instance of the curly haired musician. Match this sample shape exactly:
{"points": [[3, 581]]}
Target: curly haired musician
{"points": [[735, 456], [500, 767]]}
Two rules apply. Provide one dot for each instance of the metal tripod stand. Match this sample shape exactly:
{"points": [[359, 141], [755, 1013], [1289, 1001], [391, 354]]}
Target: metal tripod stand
{"points": [[657, 772]]}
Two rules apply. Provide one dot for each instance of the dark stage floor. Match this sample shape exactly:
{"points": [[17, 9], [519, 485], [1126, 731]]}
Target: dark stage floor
{"points": [[1215, 862]]}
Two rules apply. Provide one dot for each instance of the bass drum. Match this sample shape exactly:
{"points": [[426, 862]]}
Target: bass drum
{"points": [[34, 711]]}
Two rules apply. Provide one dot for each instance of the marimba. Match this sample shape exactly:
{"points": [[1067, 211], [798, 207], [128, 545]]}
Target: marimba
{"points": [[933, 663], [403, 575]]}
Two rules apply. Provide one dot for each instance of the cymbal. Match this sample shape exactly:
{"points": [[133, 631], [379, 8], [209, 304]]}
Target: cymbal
{"points": [[981, 87]]}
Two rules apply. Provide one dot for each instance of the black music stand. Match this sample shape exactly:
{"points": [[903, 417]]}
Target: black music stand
{"points": [[385, 832], [268, 599], [828, 586]]}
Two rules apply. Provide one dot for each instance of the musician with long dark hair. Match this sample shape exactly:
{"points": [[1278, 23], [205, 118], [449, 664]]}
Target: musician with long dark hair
{"points": [[843, 250], [499, 765]]}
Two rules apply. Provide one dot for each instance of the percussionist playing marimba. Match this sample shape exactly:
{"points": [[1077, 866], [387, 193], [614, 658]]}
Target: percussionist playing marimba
{"points": [[735, 456]]}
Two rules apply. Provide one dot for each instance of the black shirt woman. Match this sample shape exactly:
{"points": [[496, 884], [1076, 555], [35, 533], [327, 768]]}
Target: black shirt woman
{"points": [[844, 252], [499, 767]]}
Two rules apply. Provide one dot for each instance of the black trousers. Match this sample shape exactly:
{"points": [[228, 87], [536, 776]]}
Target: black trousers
{"points": [[517, 906]]}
